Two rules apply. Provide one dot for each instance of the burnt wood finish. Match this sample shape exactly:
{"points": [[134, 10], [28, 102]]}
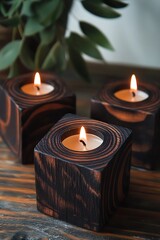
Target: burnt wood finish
{"points": [[137, 218], [142, 117], [82, 188], [24, 119]]}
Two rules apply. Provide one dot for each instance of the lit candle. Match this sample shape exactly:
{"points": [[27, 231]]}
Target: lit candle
{"points": [[37, 88], [132, 94], [83, 141]]}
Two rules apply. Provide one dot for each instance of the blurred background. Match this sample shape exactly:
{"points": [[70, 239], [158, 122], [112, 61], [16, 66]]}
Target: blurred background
{"points": [[135, 36]]}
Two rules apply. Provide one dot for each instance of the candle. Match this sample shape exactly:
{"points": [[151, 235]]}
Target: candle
{"points": [[132, 94], [25, 118], [131, 110], [83, 141], [87, 186], [37, 88]]}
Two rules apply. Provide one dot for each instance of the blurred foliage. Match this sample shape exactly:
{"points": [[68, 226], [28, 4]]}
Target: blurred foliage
{"points": [[38, 31]]}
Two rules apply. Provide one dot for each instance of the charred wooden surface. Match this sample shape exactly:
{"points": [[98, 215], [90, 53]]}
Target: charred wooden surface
{"points": [[142, 117], [138, 218], [85, 187], [24, 119]]}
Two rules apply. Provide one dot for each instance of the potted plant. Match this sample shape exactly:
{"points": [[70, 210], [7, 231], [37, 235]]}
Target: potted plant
{"points": [[38, 34]]}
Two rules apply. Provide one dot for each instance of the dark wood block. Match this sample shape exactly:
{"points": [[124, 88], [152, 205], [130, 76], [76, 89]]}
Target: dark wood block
{"points": [[24, 119], [82, 187], [142, 117]]}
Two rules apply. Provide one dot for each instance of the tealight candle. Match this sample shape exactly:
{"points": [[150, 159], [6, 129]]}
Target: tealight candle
{"points": [[37, 88], [82, 142], [132, 94], [82, 187], [28, 110], [138, 110]]}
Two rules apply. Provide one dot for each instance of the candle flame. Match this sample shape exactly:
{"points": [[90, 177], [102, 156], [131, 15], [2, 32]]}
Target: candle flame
{"points": [[133, 84], [82, 135], [37, 80]]}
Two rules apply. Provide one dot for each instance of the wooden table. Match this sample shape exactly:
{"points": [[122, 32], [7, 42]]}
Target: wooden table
{"points": [[138, 218]]}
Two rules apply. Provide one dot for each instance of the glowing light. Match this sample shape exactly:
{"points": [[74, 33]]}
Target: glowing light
{"points": [[133, 84], [82, 135], [37, 80]]}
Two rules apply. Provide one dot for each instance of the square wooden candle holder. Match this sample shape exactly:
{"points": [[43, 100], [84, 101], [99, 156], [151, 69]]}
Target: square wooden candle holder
{"points": [[83, 186], [142, 117], [25, 118]]}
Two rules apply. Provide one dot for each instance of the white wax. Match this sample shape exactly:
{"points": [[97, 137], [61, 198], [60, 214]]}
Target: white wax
{"points": [[127, 95], [73, 142], [31, 89]]}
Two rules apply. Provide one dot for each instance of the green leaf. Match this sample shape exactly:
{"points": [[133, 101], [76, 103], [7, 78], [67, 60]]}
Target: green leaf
{"points": [[95, 1], [10, 22], [9, 54], [3, 10], [50, 60], [41, 53], [78, 62], [84, 45], [60, 55], [15, 4], [100, 9], [95, 35], [27, 56], [55, 57], [47, 35], [27, 8], [32, 27], [49, 11], [115, 3]]}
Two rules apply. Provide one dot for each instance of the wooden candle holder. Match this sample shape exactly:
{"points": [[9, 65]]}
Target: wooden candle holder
{"points": [[24, 118], [142, 117], [82, 187]]}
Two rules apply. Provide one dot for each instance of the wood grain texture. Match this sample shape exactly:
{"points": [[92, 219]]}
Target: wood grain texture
{"points": [[142, 117], [82, 187], [138, 218], [24, 119]]}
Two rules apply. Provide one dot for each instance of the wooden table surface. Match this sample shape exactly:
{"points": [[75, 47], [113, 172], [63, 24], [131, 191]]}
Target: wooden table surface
{"points": [[138, 218]]}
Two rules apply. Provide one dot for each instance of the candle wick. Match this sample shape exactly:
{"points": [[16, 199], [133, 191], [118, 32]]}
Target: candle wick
{"points": [[38, 88], [133, 94], [83, 142]]}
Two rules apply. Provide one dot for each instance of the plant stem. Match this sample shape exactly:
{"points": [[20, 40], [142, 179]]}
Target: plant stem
{"points": [[14, 33], [20, 30]]}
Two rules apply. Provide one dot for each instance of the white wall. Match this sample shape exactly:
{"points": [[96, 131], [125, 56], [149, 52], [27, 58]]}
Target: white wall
{"points": [[135, 35]]}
